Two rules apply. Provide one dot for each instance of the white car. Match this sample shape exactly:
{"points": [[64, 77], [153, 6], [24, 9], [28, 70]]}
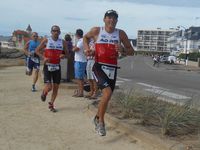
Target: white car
{"points": [[171, 59]]}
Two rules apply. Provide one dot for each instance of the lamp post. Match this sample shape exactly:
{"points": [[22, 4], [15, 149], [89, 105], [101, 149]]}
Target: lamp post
{"points": [[185, 44]]}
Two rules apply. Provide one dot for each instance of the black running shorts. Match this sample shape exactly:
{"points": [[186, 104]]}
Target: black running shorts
{"points": [[51, 76], [105, 75]]}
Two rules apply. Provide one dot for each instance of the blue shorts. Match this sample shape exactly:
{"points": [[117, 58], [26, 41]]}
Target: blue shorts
{"points": [[80, 69], [31, 63]]}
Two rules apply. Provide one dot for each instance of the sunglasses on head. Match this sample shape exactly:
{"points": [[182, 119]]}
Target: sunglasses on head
{"points": [[111, 12]]}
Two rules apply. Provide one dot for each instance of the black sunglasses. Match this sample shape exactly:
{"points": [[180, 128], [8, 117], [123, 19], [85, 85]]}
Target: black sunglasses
{"points": [[55, 31]]}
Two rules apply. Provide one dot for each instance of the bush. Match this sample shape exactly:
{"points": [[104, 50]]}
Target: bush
{"points": [[191, 56]]}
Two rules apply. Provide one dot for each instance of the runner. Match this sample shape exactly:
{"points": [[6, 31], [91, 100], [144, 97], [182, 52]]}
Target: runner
{"points": [[32, 59], [108, 41], [54, 49]]}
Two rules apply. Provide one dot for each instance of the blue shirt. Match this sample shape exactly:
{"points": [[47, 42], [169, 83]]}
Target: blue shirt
{"points": [[33, 45]]}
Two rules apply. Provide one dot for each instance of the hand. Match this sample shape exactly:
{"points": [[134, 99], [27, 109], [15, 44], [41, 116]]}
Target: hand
{"points": [[88, 52], [62, 56], [46, 60], [119, 48]]}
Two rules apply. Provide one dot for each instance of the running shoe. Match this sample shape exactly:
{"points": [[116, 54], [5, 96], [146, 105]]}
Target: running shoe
{"points": [[51, 107], [33, 88], [43, 97], [101, 129]]}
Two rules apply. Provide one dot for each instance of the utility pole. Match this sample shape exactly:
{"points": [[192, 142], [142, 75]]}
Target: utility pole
{"points": [[185, 38]]}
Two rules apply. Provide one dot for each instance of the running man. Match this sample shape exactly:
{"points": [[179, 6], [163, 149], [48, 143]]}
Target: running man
{"points": [[108, 41], [32, 59], [54, 49]]}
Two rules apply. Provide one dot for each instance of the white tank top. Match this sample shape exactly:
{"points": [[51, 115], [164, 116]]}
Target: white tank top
{"points": [[105, 52]]}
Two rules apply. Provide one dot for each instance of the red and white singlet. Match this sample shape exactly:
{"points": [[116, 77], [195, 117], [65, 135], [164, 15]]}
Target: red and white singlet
{"points": [[105, 52], [53, 50]]}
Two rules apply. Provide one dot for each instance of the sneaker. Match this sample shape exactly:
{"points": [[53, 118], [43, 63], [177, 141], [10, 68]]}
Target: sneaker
{"points": [[51, 107], [33, 88], [43, 97], [96, 122], [101, 129]]}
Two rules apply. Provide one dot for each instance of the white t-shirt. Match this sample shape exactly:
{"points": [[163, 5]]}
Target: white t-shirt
{"points": [[79, 55]]}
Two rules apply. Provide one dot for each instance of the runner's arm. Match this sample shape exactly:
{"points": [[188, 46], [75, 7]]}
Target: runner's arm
{"points": [[40, 48], [127, 45], [92, 34], [26, 52]]}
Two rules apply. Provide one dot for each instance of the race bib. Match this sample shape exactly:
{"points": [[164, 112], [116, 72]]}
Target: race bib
{"points": [[109, 71], [53, 67]]}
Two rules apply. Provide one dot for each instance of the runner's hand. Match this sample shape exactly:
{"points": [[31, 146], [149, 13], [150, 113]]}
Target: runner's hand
{"points": [[62, 56], [46, 60], [119, 48], [88, 52]]}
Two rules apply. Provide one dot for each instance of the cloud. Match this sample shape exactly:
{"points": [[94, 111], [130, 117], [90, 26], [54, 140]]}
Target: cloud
{"points": [[172, 3]]}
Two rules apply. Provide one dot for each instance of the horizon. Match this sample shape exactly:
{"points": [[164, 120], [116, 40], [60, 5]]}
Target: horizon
{"points": [[133, 15]]}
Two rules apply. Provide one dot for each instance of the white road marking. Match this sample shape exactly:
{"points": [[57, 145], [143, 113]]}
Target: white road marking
{"points": [[123, 79], [148, 85], [163, 91], [132, 66]]}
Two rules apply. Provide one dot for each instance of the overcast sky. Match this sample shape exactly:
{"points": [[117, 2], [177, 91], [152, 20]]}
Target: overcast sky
{"points": [[73, 14]]}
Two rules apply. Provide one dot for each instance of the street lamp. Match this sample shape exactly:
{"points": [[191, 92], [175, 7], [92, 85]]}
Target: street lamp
{"points": [[185, 44]]}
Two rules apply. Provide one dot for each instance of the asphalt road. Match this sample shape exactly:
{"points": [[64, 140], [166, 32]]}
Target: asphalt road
{"points": [[173, 82]]}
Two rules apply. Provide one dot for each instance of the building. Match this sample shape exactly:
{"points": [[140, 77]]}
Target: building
{"points": [[185, 41], [192, 42], [153, 40], [175, 41], [20, 37]]}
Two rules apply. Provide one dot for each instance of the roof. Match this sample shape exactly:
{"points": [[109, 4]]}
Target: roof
{"points": [[21, 32], [29, 29]]}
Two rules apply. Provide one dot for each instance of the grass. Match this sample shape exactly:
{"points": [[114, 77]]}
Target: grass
{"points": [[171, 119]]}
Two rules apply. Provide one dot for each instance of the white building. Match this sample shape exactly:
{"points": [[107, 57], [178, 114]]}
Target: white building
{"points": [[185, 41], [153, 40]]}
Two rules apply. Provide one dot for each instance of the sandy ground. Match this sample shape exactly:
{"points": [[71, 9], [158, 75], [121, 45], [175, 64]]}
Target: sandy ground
{"points": [[27, 124]]}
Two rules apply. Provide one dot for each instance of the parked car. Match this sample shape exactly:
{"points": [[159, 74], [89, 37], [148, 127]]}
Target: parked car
{"points": [[163, 59], [171, 60]]}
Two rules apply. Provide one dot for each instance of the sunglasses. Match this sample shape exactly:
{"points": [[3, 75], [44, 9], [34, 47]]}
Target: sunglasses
{"points": [[56, 31], [35, 36]]}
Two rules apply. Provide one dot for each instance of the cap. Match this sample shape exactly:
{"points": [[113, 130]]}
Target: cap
{"points": [[111, 13]]}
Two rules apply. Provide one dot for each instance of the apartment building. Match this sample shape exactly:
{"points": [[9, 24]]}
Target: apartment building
{"points": [[175, 41], [185, 41], [153, 40]]}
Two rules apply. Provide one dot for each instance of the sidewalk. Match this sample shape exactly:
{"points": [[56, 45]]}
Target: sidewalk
{"points": [[27, 124]]}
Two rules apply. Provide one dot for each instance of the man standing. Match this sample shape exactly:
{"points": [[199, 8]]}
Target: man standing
{"points": [[32, 59], [90, 63], [54, 49], [108, 41], [80, 63]]}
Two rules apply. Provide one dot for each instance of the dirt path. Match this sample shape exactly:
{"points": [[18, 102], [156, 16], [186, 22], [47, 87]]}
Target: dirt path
{"points": [[27, 124]]}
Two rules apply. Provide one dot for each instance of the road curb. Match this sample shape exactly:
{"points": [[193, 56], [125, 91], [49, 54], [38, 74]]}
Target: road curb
{"points": [[134, 132]]}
